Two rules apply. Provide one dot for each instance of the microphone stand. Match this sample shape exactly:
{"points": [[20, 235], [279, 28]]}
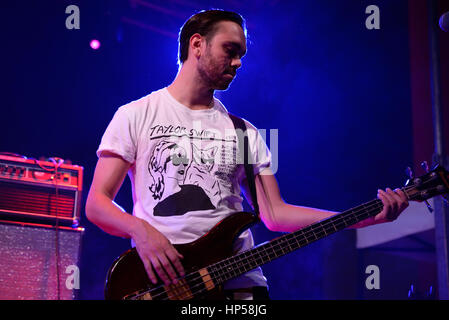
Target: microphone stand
{"points": [[439, 156]]}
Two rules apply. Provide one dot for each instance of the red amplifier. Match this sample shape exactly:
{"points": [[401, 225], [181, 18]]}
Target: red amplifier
{"points": [[46, 192]]}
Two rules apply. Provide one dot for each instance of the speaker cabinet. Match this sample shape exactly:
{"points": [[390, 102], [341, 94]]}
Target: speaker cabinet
{"points": [[31, 258]]}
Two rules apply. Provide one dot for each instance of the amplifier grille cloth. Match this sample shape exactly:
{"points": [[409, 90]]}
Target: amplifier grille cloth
{"points": [[37, 199]]}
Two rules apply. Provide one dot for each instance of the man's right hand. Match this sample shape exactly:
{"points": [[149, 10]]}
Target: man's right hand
{"points": [[157, 254]]}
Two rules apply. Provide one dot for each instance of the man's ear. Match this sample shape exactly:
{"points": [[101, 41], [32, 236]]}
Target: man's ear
{"points": [[196, 43]]}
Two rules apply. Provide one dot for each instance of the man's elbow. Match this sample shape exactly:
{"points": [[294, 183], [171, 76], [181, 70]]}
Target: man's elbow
{"points": [[271, 225], [271, 218], [90, 209], [281, 218]]}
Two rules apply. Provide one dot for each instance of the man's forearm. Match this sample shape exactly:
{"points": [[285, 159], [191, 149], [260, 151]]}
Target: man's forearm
{"points": [[109, 217], [288, 218]]}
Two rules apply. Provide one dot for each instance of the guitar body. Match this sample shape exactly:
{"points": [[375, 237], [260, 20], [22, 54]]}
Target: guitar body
{"points": [[127, 274]]}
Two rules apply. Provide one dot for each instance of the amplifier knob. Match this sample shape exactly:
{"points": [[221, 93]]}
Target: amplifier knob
{"points": [[20, 171]]}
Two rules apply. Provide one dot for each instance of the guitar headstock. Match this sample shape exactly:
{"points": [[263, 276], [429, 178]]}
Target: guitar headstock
{"points": [[429, 185]]}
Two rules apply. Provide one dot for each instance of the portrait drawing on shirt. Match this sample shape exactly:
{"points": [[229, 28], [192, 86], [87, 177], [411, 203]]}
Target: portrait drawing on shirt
{"points": [[179, 175], [199, 171]]}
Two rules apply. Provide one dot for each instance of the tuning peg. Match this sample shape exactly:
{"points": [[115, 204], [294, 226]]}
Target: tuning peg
{"points": [[409, 172], [425, 166], [446, 199], [411, 292], [429, 207]]}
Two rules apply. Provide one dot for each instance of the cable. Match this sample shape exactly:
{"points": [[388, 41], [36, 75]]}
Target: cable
{"points": [[12, 154], [57, 163]]}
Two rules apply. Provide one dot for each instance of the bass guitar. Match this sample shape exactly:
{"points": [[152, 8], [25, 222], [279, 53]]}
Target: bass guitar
{"points": [[209, 260]]}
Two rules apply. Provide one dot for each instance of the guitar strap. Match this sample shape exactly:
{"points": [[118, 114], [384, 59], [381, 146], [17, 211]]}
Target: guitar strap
{"points": [[247, 160]]}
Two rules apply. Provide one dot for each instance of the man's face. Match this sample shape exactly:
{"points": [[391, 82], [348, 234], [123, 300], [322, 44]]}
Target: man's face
{"points": [[176, 167], [222, 55]]}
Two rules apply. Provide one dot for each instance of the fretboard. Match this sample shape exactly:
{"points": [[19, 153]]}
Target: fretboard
{"points": [[266, 252]]}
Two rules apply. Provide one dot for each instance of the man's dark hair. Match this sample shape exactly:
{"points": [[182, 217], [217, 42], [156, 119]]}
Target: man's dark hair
{"points": [[204, 23]]}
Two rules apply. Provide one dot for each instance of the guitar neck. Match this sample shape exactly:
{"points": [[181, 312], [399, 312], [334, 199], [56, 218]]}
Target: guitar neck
{"points": [[266, 252]]}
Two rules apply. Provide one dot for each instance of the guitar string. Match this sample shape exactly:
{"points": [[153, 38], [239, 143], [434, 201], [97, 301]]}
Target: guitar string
{"points": [[222, 271], [191, 295], [240, 257], [224, 265], [308, 235], [375, 204], [276, 248], [273, 246], [283, 240], [265, 254]]}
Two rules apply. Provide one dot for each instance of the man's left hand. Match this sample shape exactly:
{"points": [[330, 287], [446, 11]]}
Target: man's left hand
{"points": [[394, 201]]}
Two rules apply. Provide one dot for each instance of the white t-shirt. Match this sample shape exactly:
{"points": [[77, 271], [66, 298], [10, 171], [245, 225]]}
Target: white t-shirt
{"points": [[185, 176]]}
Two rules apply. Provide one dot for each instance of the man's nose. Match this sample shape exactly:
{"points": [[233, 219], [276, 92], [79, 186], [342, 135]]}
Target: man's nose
{"points": [[236, 63]]}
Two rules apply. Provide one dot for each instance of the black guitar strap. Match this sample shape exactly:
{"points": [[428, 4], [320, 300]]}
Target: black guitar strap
{"points": [[247, 159]]}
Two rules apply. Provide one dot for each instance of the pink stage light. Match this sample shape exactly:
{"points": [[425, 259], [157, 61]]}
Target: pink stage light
{"points": [[95, 44]]}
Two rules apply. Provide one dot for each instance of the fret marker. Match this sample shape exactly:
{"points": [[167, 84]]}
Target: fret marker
{"points": [[208, 283], [146, 296], [179, 291]]}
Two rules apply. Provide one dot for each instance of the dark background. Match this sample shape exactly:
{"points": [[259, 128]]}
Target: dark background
{"points": [[338, 93]]}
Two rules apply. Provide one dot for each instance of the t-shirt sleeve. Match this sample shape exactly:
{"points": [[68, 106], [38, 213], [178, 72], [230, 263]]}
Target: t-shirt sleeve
{"points": [[119, 137], [261, 154]]}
